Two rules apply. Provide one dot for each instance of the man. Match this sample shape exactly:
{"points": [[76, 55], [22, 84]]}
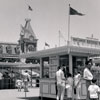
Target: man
{"points": [[87, 75], [56, 81], [26, 79], [60, 79]]}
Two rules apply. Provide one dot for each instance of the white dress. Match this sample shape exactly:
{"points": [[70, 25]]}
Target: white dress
{"points": [[70, 88], [77, 83]]}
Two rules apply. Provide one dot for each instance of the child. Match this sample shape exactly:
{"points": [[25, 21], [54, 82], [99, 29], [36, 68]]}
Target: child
{"points": [[19, 84], [77, 85], [70, 86], [93, 90]]}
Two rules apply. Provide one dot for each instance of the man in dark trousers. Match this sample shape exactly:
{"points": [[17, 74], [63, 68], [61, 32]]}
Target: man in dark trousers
{"points": [[87, 75]]}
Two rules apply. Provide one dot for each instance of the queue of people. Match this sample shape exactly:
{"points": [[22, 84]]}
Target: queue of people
{"points": [[72, 84]]}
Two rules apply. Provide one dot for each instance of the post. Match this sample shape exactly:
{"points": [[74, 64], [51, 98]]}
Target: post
{"points": [[59, 38], [69, 25], [25, 91], [31, 77]]}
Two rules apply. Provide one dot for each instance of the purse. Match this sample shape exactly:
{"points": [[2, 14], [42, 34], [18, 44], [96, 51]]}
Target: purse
{"points": [[75, 90]]}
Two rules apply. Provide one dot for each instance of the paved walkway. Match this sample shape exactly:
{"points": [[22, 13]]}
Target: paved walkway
{"points": [[13, 94]]}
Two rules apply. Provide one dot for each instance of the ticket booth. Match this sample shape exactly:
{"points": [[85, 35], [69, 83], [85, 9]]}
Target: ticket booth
{"points": [[73, 57]]}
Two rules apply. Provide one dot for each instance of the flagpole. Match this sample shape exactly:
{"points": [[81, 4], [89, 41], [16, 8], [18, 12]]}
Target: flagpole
{"points": [[59, 38], [69, 25]]}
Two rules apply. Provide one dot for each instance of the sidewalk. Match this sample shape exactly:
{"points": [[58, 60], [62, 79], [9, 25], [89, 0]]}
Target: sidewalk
{"points": [[13, 94]]}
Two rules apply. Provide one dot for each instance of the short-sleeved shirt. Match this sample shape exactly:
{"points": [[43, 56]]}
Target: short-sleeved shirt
{"points": [[94, 89], [60, 76], [87, 74], [26, 76]]}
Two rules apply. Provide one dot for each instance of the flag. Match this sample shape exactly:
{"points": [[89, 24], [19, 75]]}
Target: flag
{"points": [[75, 12], [46, 44], [29, 8], [92, 35]]}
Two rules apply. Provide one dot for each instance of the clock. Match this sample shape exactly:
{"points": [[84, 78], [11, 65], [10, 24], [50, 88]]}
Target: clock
{"points": [[31, 38], [31, 47]]}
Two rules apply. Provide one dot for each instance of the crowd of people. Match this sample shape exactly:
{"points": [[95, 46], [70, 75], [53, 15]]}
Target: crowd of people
{"points": [[72, 83]]}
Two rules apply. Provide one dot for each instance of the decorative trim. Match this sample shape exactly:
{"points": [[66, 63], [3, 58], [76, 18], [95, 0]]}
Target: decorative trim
{"points": [[41, 88], [82, 84], [52, 84]]}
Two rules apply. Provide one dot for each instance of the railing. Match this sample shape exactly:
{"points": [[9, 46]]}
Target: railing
{"points": [[11, 83]]}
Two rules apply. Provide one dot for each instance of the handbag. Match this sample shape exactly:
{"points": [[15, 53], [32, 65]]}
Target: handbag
{"points": [[27, 79], [74, 90]]}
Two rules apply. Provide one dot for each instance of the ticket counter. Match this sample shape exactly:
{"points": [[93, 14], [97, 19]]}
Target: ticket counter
{"points": [[73, 57]]}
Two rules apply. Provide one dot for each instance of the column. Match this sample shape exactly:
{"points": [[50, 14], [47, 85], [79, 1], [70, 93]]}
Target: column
{"points": [[70, 64], [41, 65]]}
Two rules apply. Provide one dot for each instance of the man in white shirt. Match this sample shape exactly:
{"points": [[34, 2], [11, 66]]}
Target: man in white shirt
{"points": [[87, 75], [60, 83]]}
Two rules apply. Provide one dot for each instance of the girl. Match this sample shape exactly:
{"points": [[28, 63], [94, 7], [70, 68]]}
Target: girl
{"points": [[69, 86]]}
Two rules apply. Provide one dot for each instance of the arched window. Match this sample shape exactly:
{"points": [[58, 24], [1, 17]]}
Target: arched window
{"points": [[17, 50], [9, 49], [1, 49], [30, 47]]}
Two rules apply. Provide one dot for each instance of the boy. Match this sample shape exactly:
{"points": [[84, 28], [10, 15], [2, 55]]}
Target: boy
{"points": [[93, 90]]}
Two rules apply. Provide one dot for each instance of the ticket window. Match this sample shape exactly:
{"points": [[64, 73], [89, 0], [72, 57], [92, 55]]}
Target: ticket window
{"points": [[45, 67], [64, 60], [78, 64]]}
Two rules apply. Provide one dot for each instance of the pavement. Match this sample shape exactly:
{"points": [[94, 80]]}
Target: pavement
{"points": [[13, 94]]}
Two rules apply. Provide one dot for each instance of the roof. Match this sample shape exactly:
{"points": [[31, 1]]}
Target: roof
{"points": [[62, 50], [18, 65], [27, 30]]}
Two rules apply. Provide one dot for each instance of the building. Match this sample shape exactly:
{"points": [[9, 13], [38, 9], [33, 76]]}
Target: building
{"points": [[9, 52], [89, 42], [10, 63], [28, 40]]}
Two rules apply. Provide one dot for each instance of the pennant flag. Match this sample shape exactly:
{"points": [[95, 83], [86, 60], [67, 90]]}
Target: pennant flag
{"points": [[46, 44], [29, 8], [75, 12]]}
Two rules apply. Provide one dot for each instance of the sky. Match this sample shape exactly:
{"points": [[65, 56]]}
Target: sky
{"points": [[47, 18]]}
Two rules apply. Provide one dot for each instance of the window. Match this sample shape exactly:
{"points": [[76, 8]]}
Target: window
{"points": [[9, 49], [30, 47], [1, 49], [17, 50]]}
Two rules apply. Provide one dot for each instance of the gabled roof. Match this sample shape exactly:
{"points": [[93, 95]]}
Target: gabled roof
{"points": [[27, 30]]}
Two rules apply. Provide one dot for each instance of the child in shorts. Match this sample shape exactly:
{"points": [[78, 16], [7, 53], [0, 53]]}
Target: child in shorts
{"points": [[94, 89]]}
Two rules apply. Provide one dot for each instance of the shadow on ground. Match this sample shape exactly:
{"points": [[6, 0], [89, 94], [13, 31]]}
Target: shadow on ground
{"points": [[29, 98], [34, 98]]}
